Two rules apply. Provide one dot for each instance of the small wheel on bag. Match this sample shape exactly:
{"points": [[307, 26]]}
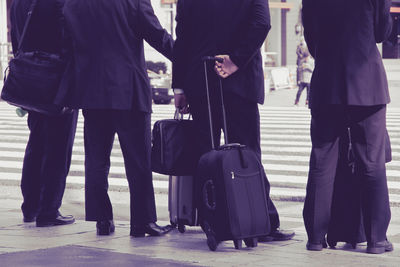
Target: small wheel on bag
{"points": [[332, 244], [181, 228], [212, 242], [173, 224], [251, 242]]}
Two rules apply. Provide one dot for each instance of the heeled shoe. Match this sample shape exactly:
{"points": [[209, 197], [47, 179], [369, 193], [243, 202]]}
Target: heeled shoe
{"points": [[105, 227], [151, 229]]}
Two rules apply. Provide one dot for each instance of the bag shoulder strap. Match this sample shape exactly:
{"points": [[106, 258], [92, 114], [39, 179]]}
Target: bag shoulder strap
{"points": [[27, 22]]}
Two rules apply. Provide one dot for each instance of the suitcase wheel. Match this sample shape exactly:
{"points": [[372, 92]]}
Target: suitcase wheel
{"points": [[238, 243], [251, 242], [212, 242], [173, 224], [211, 239], [181, 228]]}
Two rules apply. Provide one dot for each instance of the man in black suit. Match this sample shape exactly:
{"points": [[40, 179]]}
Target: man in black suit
{"points": [[49, 149], [107, 78], [348, 89], [234, 29]]}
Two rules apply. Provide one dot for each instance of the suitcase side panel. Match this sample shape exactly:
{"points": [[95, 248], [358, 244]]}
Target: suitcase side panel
{"points": [[241, 209], [245, 192], [181, 200]]}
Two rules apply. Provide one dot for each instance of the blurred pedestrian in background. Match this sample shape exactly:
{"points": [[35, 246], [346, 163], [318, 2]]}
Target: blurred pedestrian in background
{"points": [[304, 69]]}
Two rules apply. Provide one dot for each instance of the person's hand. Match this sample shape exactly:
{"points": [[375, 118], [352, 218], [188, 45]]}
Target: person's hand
{"points": [[226, 68], [181, 103]]}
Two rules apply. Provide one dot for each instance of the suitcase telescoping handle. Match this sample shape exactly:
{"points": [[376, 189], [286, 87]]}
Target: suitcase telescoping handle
{"points": [[213, 59]]}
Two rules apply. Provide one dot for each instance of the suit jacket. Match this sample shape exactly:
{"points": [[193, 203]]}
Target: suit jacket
{"points": [[234, 27], [107, 69], [45, 28], [341, 35]]}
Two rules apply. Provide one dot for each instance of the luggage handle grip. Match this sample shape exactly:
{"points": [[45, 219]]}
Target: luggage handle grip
{"points": [[180, 116], [210, 58], [209, 189]]}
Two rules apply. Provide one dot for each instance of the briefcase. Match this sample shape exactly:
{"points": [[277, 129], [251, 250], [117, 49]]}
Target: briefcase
{"points": [[32, 79], [174, 152]]}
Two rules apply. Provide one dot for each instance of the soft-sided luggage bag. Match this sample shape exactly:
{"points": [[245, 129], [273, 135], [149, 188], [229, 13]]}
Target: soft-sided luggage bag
{"points": [[346, 215], [232, 198], [181, 205], [346, 223]]}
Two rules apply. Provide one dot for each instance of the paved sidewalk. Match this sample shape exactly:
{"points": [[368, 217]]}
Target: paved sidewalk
{"points": [[23, 244]]}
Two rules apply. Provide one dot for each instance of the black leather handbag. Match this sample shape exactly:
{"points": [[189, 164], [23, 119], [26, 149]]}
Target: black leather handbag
{"points": [[33, 78], [174, 150]]}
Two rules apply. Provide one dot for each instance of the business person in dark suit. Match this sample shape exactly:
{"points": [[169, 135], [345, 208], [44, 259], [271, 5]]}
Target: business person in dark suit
{"points": [[348, 89], [107, 78], [235, 30], [48, 152]]}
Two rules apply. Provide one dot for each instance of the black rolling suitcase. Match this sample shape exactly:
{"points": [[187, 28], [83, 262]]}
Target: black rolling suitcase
{"points": [[181, 202], [232, 199]]}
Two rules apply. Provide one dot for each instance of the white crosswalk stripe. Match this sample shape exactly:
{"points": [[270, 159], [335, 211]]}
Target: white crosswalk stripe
{"points": [[285, 143]]}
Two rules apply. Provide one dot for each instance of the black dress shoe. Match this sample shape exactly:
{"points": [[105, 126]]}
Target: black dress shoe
{"points": [[151, 229], [105, 227], [316, 246], [277, 235], [59, 220], [29, 219], [379, 247]]}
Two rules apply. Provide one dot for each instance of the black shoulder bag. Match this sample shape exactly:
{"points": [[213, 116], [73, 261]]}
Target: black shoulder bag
{"points": [[174, 151], [33, 78]]}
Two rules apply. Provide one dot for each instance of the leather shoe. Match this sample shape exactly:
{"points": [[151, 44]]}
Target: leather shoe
{"points": [[151, 229], [59, 220], [29, 219], [105, 227], [379, 247], [316, 246], [277, 235]]}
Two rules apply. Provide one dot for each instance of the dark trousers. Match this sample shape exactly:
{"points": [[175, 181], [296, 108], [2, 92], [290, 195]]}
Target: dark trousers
{"points": [[368, 134], [243, 126], [134, 134], [46, 163], [302, 86]]}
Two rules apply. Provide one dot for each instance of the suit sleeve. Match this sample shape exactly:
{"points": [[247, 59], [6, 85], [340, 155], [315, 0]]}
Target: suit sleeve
{"points": [[382, 20], [179, 62], [307, 14], [152, 30], [257, 31]]}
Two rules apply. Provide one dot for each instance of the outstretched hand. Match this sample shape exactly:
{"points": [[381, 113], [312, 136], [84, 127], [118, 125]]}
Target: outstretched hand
{"points": [[225, 68]]}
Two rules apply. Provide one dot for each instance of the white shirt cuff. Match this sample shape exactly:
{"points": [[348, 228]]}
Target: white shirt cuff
{"points": [[178, 91]]}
